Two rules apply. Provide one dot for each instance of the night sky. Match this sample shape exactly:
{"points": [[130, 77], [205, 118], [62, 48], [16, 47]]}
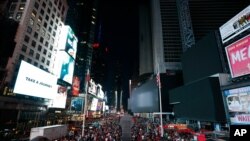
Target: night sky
{"points": [[120, 36]]}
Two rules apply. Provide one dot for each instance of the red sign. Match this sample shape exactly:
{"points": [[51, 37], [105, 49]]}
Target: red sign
{"points": [[75, 86], [238, 55]]}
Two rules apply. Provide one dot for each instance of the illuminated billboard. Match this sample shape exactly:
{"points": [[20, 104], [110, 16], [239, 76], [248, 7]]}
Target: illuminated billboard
{"points": [[77, 104], [75, 86], [68, 41], [238, 56], [92, 87], [238, 104], [236, 25], [59, 100], [94, 104], [32, 81], [64, 67]]}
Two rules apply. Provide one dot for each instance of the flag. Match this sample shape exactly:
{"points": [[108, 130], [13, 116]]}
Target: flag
{"points": [[158, 80]]}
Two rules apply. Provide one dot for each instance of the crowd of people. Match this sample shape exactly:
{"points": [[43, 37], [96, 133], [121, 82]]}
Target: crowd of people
{"points": [[145, 129]]}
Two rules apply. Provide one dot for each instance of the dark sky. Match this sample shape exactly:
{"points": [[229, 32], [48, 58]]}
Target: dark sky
{"points": [[120, 35]]}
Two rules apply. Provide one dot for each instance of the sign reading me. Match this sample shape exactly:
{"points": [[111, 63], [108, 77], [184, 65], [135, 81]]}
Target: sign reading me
{"points": [[238, 55]]}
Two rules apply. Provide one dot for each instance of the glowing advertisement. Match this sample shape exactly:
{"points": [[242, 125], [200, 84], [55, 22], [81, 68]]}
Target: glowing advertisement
{"points": [[77, 104], [99, 105], [100, 93], [238, 105], [65, 67], [92, 87], [75, 86], [32, 81], [238, 55], [59, 100], [68, 41], [236, 25], [94, 104]]}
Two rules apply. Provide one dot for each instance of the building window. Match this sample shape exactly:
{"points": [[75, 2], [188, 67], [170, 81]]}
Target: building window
{"points": [[51, 47], [36, 5], [21, 57], [41, 40], [47, 63], [39, 47], [43, 32], [48, 10], [37, 56], [39, 19], [41, 67], [47, 17], [50, 3], [56, 21], [26, 39], [11, 15], [50, 29], [44, 51], [46, 44], [49, 55], [54, 33], [38, 27], [53, 16], [31, 22], [18, 15], [29, 60], [29, 29], [34, 13], [31, 53], [48, 36], [45, 24], [35, 64], [55, 27], [42, 12], [12, 7], [21, 7], [33, 44], [52, 40], [24, 48], [43, 60], [35, 35], [44, 4], [51, 23]]}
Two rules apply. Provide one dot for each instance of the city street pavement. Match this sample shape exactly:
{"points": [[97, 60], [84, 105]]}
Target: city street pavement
{"points": [[126, 124]]}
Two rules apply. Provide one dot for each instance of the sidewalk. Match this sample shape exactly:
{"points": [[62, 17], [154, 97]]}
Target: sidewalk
{"points": [[126, 124]]}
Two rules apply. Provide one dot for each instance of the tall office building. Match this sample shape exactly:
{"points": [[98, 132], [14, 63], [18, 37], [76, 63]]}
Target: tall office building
{"points": [[83, 16], [36, 41], [175, 25], [37, 36]]}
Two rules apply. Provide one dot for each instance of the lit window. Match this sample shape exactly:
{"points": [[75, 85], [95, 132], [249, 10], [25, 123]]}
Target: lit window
{"points": [[92, 22], [31, 21], [21, 7], [18, 15], [29, 29], [33, 13], [39, 19]]}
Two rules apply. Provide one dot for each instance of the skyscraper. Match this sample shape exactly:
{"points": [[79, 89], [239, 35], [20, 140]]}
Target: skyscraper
{"points": [[37, 36]]}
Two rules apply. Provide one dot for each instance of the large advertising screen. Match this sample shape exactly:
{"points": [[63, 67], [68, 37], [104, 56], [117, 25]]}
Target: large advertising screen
{"points": [[238, 55], [238, 105], [94, 104], [65, 67], [75, 86], [236, 25], [77, 104], [60, 98], [68, 41], [33, 81]]}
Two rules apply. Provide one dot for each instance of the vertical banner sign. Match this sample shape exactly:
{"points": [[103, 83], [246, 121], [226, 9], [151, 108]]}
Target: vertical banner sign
{"points": [[75, 86], [238, 55]]}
